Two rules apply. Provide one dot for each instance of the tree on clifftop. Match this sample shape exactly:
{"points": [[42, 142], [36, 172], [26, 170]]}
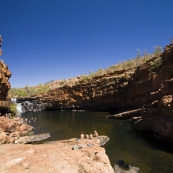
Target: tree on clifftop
{"points": [[157, 50]]}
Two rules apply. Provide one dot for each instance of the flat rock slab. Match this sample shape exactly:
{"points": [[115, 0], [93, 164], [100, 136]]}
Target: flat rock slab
{"points": [[32, 138], [55, 157], [59, 157], [95, 141], [126, 114]]}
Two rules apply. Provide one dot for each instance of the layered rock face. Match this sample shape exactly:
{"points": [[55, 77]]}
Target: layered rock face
{"points": [[125, 89], [102, 93], [5, 74], [145, 91]]}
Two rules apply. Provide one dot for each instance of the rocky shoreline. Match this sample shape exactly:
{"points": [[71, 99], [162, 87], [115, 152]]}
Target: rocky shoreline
{"points": [[143, 94], [16, 130], [56, 157], [74, 155]]}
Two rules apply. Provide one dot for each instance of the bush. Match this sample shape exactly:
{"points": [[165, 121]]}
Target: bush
{"points": [[157, 50], [154, 66], [12, 108], [28, 91]]}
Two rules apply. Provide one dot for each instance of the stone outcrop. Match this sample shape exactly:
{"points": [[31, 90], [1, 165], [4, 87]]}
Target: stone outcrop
{"points": [[53, 158], [5, 74], [18, 131], [12, 129], [58, 156], [144, 91], [32, 138]]}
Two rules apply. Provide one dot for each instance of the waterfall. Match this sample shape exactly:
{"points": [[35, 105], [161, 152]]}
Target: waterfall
{"points": [[19, 108], [13, 100], [28, 106]]}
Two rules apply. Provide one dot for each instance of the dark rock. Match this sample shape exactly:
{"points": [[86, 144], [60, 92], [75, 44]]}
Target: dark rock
{"points": [[32, 138]]}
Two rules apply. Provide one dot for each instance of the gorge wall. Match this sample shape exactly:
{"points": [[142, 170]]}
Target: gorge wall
{"points": [[146, 85], [5, 74], [144, 92]]}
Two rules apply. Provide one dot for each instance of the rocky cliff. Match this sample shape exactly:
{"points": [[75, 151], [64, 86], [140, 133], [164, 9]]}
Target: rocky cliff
{"points": [[5, 74], [145, 91], [136, 87]]}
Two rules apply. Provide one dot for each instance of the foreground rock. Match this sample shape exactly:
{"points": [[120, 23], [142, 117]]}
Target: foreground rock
{"points": [[74, 156], [55, 157]]}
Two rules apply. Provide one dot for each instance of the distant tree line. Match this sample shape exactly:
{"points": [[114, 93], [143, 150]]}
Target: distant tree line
{"points": [[28, 91]]}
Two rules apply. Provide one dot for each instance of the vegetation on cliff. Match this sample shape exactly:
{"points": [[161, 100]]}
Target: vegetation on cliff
{"points": [[114, 70], [28, 91], [125, 65], [12, 108]]}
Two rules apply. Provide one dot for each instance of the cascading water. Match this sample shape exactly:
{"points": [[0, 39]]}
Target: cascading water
{"points": [[19, 108], [28, 106], [32, 106]]}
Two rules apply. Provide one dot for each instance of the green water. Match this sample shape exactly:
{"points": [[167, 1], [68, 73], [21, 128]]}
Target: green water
{"points": [[126, 145]]}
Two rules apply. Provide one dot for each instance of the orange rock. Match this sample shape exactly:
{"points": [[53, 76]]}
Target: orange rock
{"points": [[54, 157]]}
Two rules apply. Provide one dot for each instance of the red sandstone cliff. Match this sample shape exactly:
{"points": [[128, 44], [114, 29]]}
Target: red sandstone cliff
{"points": [[119, 90], [5, 74], [145, 91]]}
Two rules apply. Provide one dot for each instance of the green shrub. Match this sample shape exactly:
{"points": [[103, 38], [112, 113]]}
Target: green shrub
{"points": [[157, 50], [28, 91], [154, 65], [12, 108]]}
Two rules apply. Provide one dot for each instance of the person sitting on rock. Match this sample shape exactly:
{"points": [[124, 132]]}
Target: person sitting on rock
{"points": [[9, 114], [91, 135], [87, 136], [6, 115], [95, 133], [82, 136]]}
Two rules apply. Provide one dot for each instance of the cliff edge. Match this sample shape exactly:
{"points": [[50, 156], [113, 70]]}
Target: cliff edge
{"points": [[143, 93], [5, 74], [125, 89]]}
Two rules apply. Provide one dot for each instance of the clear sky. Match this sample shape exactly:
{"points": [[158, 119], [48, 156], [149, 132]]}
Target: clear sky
{"points": [[55, 39]]}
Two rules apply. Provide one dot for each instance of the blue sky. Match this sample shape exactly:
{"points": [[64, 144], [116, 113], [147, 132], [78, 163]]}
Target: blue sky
{"points": [[56, 39]]}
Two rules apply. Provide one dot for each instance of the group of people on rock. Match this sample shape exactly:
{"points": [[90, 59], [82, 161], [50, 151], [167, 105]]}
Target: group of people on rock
{"points": [[90, 136], [7, 115]]}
